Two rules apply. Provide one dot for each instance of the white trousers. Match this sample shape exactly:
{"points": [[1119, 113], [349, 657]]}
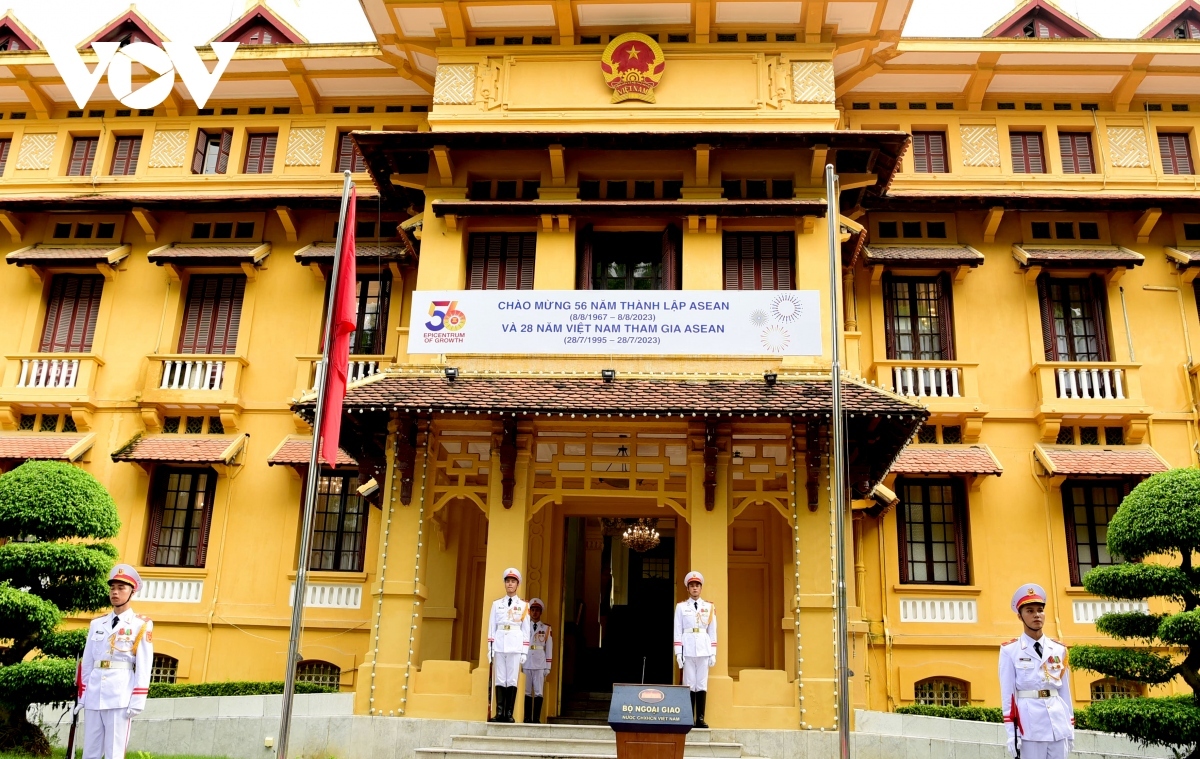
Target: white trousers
{"points": [[535, 680], [506, 668], [105, 733], [695, 672], [1044, 749]]}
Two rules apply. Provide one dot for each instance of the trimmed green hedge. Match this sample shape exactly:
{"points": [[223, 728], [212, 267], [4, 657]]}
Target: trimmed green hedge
{"points": [[230, 688], [983, 714]]}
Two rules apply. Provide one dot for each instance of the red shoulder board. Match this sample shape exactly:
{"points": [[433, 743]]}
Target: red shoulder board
{"points": [[1005, 643], [142, 617], [1059, 642]]}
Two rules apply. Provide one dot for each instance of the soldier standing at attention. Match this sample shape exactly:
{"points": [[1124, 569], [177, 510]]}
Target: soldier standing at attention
{"points": [[696, 642], [1035, 684], [508, 643], [541, 654], [115, 671]]}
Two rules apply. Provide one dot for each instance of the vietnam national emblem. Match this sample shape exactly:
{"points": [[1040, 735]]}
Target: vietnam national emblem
{"points": [[633, 65]]}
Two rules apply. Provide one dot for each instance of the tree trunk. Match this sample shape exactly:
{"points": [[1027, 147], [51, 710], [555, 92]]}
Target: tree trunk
{"points": [[17, 734]]}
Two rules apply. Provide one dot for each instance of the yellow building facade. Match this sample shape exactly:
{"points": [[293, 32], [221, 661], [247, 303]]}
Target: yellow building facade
{"points": [[1016, 307]]}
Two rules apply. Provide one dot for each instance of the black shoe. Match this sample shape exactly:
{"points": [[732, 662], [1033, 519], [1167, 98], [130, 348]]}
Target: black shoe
{"points": [[512, 704], [499, 704], [537, 710], [701, 698], [528, 718]]}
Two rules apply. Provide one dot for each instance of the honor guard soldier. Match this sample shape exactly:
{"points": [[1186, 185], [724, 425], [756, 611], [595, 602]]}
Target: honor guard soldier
{"points": [[115, 672], [541, 655], [696, 642], [1035, 685], [508, 643]]}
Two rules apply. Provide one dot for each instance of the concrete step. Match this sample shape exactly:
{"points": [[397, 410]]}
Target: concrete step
{"points": [[571, 732], [574, 720], [548, 746]]}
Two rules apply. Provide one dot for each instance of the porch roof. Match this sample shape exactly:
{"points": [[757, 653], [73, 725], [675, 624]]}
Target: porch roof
{"points": [[181, 449], [69, 255], [1097, 460], [45, 447], [294, 450], [923, 255], [947, 459], [210, 254], [1064, 256]]}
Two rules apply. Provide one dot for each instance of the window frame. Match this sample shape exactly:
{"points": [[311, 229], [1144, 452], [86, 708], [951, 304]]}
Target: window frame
{"points": [[351, 159], [348, 493], [159, 489], [946, 342], [1097, 296], [509, 257], [964, 689], [1026, 140], [1123, 486], [961, 530], [78, 335], [923, 155], [200, 151], [379, 337], [262, 161], [1168, 144], [211, 320], [81, 165], [125, 165], [1068, 148], [738, 248]]}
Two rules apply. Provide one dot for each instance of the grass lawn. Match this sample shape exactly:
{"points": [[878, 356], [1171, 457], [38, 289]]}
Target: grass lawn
{"points": [[61, 753]]}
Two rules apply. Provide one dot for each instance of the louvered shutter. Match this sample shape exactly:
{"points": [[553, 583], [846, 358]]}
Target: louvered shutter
{"points": [[1176, 153], [210, 480], [945, 317], [766, 262], [5, 145], [902, 530], [82, 153], [1072, 540], [156, 515], [71, 314], [125, 155], [749, 274], [478, 262], [961, 529], [501, 261], [669, 273], [223, 154], [198, 151], [385, 298], [929, 152], [1076, 149], [783, 265], [1099, 295], [268, 157], [254, 149], [528, 261], [920, 153], [889, 316], [733, 278], [583, 259], [345, 152], [212, 314], [1017, 145], [1027, 153], [1049, 334]]}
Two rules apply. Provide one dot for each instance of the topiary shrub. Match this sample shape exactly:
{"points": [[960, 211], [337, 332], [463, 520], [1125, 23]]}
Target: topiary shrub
{"points": [[1159, 519], [51, 515]]}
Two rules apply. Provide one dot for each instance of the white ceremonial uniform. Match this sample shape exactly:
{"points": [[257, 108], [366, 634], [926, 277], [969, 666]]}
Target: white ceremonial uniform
{"points": [[117, 661], [695, 640], [1035, 696], [508, 638], [541, 655]]}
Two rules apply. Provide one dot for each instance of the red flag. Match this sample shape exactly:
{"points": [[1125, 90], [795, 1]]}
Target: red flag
{"points": [[345, 316]]}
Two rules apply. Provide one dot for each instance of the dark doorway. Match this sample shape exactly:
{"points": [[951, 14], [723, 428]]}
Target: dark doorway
{"points": [[627, 261]]}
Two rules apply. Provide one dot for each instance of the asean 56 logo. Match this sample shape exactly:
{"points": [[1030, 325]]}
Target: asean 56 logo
{"points": [[633, 66], [445, 316]]}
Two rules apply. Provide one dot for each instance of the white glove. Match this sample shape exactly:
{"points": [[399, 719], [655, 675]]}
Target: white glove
{"points": [[712, 660], [77, 708], [491, 654], [1012, 747], [679, 658], [524, 657], [133, 712]]}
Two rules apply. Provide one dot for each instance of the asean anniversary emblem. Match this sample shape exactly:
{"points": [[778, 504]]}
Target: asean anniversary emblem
{"points": [[633, 66]]}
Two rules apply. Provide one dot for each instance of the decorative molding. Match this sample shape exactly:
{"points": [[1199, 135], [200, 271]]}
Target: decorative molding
{"points": [[980, 145], [169, 149], [1089, 610], [171, 591], [305, 145], [1128, 147], [455, 84], [36, 151], [812, 82], [944, 610], [329, 596]]}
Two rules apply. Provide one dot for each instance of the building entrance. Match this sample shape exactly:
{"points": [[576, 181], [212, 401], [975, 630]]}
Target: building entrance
{"points": [[618, 612]]}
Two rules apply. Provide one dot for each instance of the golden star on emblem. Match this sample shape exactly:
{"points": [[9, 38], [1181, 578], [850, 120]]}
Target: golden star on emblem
{"points": [[633, 52]]}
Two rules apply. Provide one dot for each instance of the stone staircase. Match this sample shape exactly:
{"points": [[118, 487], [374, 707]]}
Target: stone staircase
{"points": [[584, 708], [518, 741]]}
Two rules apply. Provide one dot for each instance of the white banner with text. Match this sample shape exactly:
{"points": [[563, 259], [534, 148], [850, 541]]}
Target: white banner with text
{"points": [[694, 322]]}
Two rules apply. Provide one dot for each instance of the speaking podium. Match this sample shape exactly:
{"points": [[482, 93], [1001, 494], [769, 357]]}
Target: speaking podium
{"points": [[651, 721]]}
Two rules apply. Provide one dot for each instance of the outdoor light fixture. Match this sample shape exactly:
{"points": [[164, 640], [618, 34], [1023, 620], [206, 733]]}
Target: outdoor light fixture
{"points": [[608, 374], [368, 488], [451, 373], [769, 378]]}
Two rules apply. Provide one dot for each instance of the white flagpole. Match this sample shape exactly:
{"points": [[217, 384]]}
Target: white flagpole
{"points": [[837, 479], [310, 488]]}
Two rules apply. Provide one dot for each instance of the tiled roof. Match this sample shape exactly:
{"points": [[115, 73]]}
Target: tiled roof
{"points": [[365, 250], [947, 459], [530, 394], [294, 450], [251, 253], [1097, 255], [1185, 257], [953, 255], [1097, 460], [207, 449], [67, 254], [45, 447]]}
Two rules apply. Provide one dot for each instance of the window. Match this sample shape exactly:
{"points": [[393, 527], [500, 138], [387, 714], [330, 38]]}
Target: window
{"points": [[1027, 153], [1065, 230], [71, 313], [98, 228], [917, 318], [339, 524], [223, 230], [370, 331], [501, 261], [319, 673], [932, 523], [125, 155], [941, 691], [212, 313], [1102, 690], [260, 153], [1076, 149], [163, 669], [180, 517], [1073, 319], [626, 270], [758, 189], [929, 152], [915, 229], [211, 155], [348, 156], [83, 153], [1088, 508], [758, 260], [1176, 153]]}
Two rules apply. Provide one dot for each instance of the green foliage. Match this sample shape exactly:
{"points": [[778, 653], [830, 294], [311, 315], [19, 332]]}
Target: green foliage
{"points": [[24, 617], [1182, 629], [67, 644], [230, 688], [1162, 513], [1129, 624], [1135, 664], [38, 681], [1133, 582], [72, 576], [51, 500], [1171, 720], [972, 713]]}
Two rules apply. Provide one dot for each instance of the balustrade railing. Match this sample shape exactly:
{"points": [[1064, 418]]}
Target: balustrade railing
{"points": [[928, 381], [192, 374], [48, 372], [1090, 383]]}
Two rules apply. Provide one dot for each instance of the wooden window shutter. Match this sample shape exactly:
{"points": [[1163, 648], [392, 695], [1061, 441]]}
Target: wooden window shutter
{"points": [[1017, 145], [385, 300], [1076, 149], [260, 153], [527, 261], [1049, 334], [889, 316], [268, 156], [583, 259], [158, 490], [1176, 153], [345, 152], [1027, 153], [206, 517], [1072, 539], [929, 152], [83, 152], [125, 155], [961, 529], [198, 151], [901, 525], [212, 314], [1099, 295], [223, 154], [478, 262], [5, 146], [946, 316], [766, 262], [733, 278], [670, 263], [71, 314], [784, 270]]}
